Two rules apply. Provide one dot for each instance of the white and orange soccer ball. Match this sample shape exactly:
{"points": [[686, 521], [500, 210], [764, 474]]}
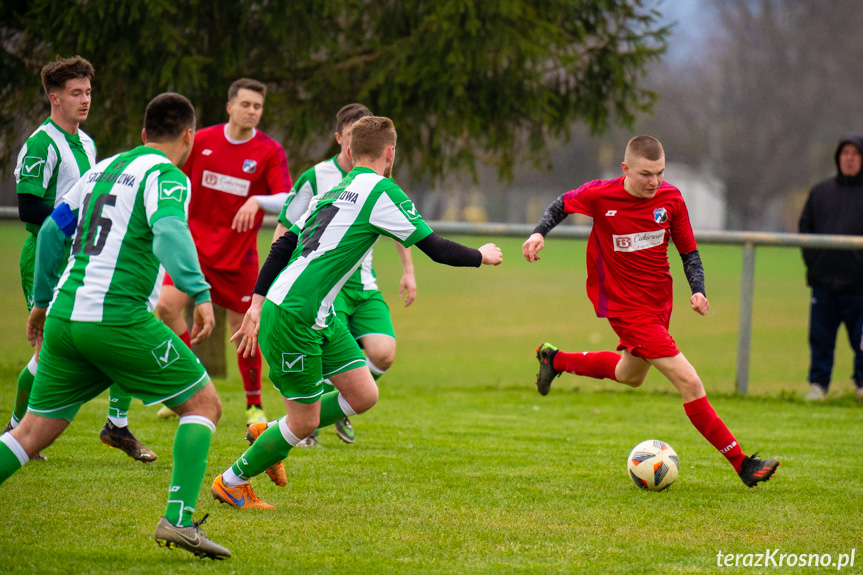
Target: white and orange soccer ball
{"points": [[653, 465]]}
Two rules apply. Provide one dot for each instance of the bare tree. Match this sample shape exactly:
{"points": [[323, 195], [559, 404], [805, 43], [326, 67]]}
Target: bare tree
{"points": [[765, 101]]}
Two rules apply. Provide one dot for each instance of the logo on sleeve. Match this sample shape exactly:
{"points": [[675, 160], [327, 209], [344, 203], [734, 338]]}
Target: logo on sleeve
{"points": [[292, 362], [249, 166], [172, 191], [408, 209], [660, 215], [165, 353], [31, 167]]}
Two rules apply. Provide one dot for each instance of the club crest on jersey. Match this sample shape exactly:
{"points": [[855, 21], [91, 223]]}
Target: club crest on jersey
{"points": [[660, 215], [408, 209], [172, 191], [249, 166], [292, 362], [31, 167]]}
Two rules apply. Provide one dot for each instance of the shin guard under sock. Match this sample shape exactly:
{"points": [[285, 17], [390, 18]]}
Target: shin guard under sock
{"points": [[705, 420], [191, 446], [598, 365]]}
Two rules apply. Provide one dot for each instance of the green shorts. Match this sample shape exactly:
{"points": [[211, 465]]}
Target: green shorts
{"points": [[27, 265], [364, 312], [301, 357], [81, 359]]}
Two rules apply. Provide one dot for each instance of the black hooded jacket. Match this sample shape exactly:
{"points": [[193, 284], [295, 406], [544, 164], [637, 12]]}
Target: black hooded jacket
{"points": [[835, 206]]}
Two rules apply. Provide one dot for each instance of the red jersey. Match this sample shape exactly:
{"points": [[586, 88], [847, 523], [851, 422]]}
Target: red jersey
{"points": [[224, 174], [627, 251]]}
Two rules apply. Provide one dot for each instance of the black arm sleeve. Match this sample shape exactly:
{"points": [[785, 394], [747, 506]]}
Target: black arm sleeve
{"points": [[694, 270], [444, 251], [32, 210], [553, 215], [280, 255]]}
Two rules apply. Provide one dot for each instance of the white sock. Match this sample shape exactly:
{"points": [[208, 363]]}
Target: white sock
{"points": [[376, 371], [16, 448], [289, 436], [346, 407], [230, 479], [119, 421]]}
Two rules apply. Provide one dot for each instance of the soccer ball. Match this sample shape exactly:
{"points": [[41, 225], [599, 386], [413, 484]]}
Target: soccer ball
{"points": [[653, 465]]}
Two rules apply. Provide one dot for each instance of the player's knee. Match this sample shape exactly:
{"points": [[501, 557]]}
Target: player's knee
{"points": [[382, 356], [691, 387], [632, 380], [216, 406], [365, 400], [166, 311]]}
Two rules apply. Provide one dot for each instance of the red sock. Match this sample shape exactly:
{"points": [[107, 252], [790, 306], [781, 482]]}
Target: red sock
{"points": [[250, 370], [599, 364], [187, 338], [707, 423]]}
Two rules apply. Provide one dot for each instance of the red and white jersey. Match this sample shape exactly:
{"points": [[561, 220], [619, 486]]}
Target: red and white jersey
{"points": [[627, 252], [224, 173]]}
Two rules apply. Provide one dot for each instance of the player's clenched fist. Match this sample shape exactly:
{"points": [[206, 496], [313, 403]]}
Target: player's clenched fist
{"points": [[491, 255]]}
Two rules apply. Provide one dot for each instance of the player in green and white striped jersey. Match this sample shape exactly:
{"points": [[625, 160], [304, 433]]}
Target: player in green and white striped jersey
{"points": [[127, 219], [301, 337], [360, 304], [50, 162]]}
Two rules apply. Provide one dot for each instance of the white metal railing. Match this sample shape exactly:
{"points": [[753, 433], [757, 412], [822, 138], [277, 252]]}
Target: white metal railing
{"points": [[748, 241]]}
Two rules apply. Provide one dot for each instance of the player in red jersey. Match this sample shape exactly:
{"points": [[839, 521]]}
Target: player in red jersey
{"points": [[237, 173], [630, 284]]}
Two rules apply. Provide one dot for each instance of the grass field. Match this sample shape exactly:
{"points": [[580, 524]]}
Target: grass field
{"points": [[462, 467]]}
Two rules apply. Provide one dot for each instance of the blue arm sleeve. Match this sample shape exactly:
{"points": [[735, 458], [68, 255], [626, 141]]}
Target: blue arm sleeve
{"points": [[50, 252], [173, 245], [66, 219]]}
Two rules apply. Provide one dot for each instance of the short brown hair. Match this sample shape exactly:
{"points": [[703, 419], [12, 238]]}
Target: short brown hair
{"points": [[55, 74], [646, 147], [371, 136], [246, 84], [350, 114], [167, 116]]}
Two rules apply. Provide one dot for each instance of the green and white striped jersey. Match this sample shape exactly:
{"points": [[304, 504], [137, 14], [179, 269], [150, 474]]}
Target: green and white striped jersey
{"points": [[323, 177], [335, 234], [112, 275], [50, 162]]}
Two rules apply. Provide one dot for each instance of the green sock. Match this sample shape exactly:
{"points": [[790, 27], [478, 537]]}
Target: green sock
{"points": [[268, 449], [191, 445], [118, 402], [331, 411], [9, 462], [25, 384]]}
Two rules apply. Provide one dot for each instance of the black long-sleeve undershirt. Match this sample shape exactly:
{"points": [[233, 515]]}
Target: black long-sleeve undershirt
{"points": [[439, 249], [33, 209], [553, 215], [444, 251], [277, 260], [694, 270]]}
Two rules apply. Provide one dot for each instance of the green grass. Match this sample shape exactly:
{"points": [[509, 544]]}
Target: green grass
{"points": [[462, 467]]}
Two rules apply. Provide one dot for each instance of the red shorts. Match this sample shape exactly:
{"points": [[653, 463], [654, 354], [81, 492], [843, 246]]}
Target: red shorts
{"points": [[230, 289], [645, 336]]}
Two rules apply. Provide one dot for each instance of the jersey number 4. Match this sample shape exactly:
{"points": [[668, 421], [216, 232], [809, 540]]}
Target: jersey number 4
{"points": [[92, 244], [312, 235]]}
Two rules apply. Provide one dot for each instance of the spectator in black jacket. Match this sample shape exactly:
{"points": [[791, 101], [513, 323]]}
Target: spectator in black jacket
{"points": [[835, 206]]}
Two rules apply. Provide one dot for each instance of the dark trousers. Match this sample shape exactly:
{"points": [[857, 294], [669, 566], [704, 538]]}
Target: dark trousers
{"points": [[827, 311]]}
